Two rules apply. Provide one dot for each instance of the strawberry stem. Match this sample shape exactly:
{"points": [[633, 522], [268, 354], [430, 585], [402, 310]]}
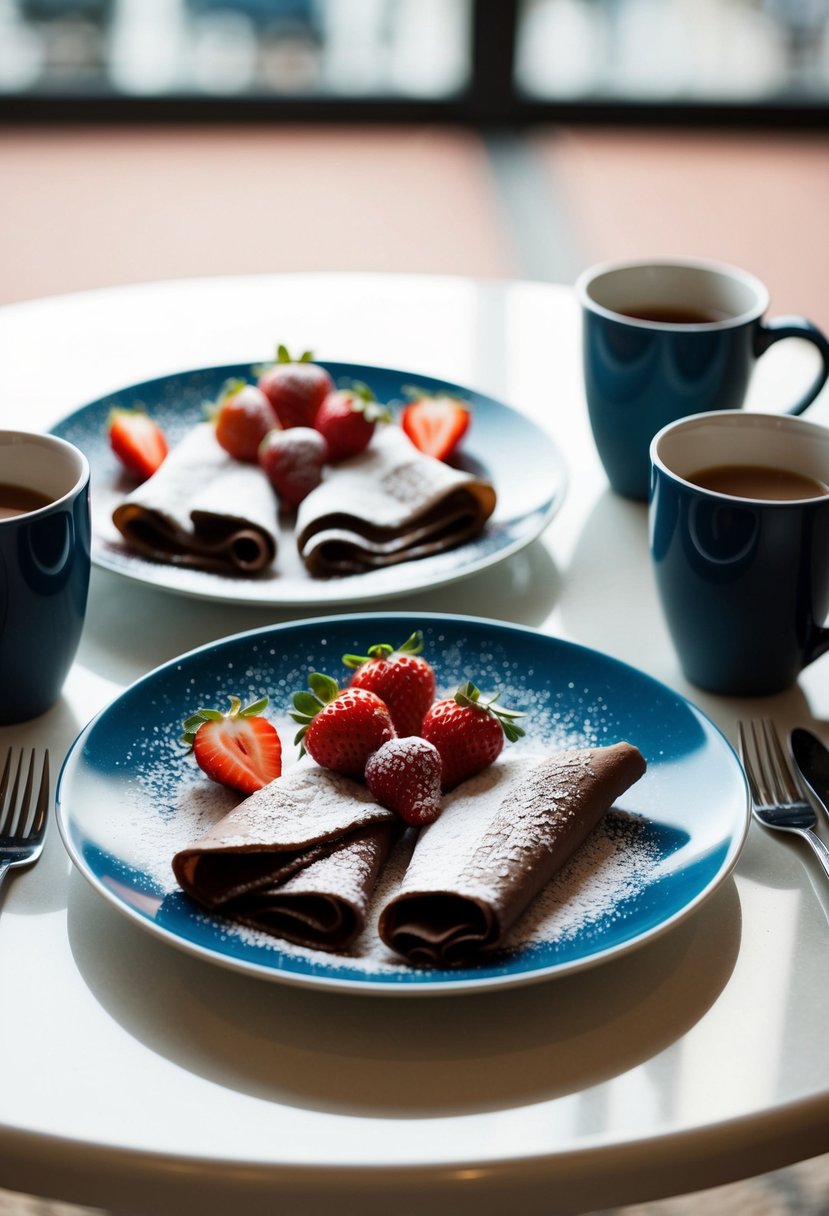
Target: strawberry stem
{"points": [[470, 697], [198, 719], [323, 690], [283, 355], [413, 645]]}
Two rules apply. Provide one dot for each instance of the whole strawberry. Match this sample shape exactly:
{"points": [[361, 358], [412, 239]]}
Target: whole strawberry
{"points": [[404, 775], [340, 729], [468, 732], [347, 418], [240, 748], [401, 678], [293, 462], [296, 388], [242, 417]]}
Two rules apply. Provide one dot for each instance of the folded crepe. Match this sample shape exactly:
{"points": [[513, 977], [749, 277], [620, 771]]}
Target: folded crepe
{"points": [[499, 840], [388, 505], [204, 509], [298, 859]]}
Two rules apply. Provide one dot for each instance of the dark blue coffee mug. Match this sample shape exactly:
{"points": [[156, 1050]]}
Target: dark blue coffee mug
{"points": [[744, 582], [662, 340], [44, 568]]}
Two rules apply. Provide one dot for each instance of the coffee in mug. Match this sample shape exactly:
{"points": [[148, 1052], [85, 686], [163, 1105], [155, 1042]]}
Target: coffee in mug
{"points": [[665, 314], [758, 481], [20, 500]]}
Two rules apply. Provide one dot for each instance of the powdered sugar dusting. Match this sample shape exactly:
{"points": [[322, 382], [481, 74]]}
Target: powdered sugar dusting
{"points": [[475, 847], [614, 865], [165, 804]]}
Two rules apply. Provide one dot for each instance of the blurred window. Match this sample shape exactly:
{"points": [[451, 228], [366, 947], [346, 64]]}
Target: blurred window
{"points": [[302, 48], [466, 60], [712, 51]]}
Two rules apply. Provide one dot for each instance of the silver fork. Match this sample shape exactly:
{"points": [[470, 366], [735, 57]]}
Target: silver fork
{"points": [[23, 814], [776, 800]]}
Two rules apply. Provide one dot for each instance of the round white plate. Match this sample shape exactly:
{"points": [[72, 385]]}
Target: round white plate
{"points": [[128, 796], [521, 461]]}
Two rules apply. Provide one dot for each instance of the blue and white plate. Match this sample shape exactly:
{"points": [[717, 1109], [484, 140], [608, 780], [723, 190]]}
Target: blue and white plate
{"points": [[521, 461], [129, 797]]}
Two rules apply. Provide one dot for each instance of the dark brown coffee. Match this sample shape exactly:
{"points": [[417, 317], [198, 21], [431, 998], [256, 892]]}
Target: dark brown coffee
{"points": [[758, 481], [676, 315], [20, 500]]}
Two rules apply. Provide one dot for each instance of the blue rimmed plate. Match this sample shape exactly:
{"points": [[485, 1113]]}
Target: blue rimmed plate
{"points": [[128, 798], [529, 490]]}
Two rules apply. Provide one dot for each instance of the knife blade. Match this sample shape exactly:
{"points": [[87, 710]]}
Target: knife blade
{"points": [[811, 758]]}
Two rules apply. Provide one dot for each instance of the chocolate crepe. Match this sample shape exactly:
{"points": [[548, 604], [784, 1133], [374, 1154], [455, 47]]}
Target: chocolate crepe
{"points": [[499, 840], [202, 508], [299, 859], [388, 505]]}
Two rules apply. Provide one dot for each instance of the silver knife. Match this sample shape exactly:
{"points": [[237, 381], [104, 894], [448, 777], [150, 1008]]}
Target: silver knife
{"points": [[811, 759]]}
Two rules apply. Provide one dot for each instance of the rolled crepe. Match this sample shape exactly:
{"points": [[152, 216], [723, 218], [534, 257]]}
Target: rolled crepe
{"points": [[388, 505], [299, 859], [499, 840], [202, 508]]}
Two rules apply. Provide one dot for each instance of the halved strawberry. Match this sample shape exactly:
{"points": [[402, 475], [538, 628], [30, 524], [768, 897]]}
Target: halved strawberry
{"points": [[340, 729], [240, 748], [435, 422], [137, 440], [469, 732], [401, 678]]}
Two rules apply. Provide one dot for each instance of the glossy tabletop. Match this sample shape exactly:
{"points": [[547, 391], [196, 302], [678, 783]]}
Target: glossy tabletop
{"points": [[138, 1078]]}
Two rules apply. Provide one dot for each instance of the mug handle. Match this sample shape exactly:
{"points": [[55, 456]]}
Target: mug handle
{"points": [[818, 645], [769, 332]]}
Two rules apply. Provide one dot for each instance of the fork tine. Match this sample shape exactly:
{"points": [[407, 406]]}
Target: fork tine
{"points": [[26, 799], [753, 761], [18, 816], [42, 805], [4, 785], [748, 762], [8, 798], [783, 773], [769, 774], [770, 783]]}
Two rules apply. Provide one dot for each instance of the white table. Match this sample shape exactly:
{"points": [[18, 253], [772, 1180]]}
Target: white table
{"points": [[140, 1079]]}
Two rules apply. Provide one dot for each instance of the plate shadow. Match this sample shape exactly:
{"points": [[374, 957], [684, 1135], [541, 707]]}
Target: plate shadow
{"points": [[391, 1057]]}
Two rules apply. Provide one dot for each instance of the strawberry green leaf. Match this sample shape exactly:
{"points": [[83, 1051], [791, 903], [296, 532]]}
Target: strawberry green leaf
{"points": [[469, 696], [413, 644], [382, 650], [306, 705], [323, 686], [195, 721]]}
